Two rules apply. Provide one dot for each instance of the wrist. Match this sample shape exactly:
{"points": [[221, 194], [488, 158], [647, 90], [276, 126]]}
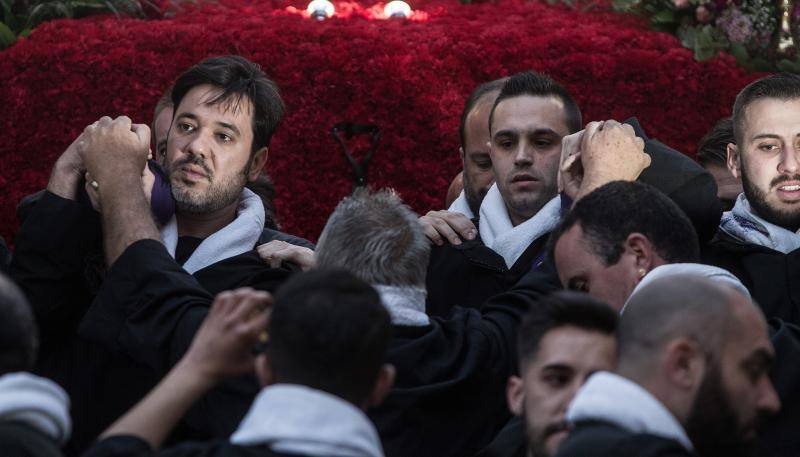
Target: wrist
{"points": [[195, 374], [64, 180]]}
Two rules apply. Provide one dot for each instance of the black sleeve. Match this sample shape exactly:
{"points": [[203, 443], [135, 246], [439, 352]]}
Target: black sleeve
{"points": [[51, 263], [503, 313], [778, 435], [133, 446]]}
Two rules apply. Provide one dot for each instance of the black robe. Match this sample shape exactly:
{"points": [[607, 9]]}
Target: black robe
{"points": [[131, 446], [58, 263], [20, 440], [470, 273], [449, 395], [602, 439], [510, 442]]}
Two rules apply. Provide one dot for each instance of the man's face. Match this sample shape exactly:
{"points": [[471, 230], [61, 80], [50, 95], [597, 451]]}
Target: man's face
{"points": [[579, 268], [208, 151], [728, 186], [478, 174], [769, 159], [566, 357], [736, 393], [525, 150], [161, 125]]}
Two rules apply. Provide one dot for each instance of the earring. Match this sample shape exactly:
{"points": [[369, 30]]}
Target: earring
{"points": [[642, 272]]}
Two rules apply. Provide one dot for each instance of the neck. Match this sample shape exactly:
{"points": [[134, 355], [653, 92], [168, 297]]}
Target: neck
{"points": [[671, 399], [203, 225]]}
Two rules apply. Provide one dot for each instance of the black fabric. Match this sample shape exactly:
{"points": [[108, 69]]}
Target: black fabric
{"points": [[772, 277], [57, 266], [131, 446], [778, 436], [449, 394], [185, 247], [510, 442], [20, 440], [5, 256], [600, 439], [468, 274]]}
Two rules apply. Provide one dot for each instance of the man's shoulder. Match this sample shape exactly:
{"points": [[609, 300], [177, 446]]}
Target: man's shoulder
{"points": [[269, 234], [601, 439]]}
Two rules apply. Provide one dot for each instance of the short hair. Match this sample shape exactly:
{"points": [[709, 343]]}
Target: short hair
{"points": [[540, 85], [329, 331], [239, 79], [265, 189], [164, 102], [713, 147], [473, 99], [19, 339], [378, 238], [672, 307], [561, 309], [781, 86], [610, 213]]}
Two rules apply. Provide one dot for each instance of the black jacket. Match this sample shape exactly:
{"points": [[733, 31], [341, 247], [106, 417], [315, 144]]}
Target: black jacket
{"points": [[510, 442], [470, 273], [58, 263], [449, 395], [778, 435], [772, 277], [131, 446], [19, 440], [601, 439]]}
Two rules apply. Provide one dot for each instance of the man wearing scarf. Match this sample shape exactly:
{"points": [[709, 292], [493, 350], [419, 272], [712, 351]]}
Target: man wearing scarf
{"points": [[759, 239]]}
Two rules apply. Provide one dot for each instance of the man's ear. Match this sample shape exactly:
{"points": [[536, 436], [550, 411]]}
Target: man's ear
{"points": [[684, 364], [462, 154], [515, 395], [383, 384], [646, 257], [257, 164], [264, 371], [734, 161]]}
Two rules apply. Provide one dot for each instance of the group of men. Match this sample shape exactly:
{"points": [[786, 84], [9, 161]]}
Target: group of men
{"points": [[151, 307]]}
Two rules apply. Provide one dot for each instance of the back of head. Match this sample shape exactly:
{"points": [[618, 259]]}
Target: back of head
{"points": [[539, 85], [562, 309], [713, 147], [329, 331], [781, 86], [610, 213], [473, 99], [376, 237], [18, 333], [670, 308], [241, 81]]}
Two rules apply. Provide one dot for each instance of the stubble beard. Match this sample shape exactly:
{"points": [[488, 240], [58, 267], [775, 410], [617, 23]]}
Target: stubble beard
{"points": [[790, 220]]}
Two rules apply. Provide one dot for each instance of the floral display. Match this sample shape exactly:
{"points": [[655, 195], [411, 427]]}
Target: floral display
{"points": [[410, 77], [751, 30]]}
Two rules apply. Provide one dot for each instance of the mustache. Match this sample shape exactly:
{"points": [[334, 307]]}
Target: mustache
{"points": [[782, 179], [194, 160]]}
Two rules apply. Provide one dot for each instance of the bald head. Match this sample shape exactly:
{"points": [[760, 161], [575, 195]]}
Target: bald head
{"points": [[18, 334], [679, 306]]}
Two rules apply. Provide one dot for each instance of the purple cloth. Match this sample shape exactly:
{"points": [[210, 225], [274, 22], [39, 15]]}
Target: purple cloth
{"points": [[161, 202]]}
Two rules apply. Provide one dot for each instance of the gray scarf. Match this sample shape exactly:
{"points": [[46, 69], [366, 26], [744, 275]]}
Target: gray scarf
{"points": [[743, 224]]}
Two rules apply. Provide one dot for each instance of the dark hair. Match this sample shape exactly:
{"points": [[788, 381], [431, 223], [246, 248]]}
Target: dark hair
{"points": [[238, 78], [19, 338], [713, 147], [540, 85], [610, 213], [473, 99], [265, 189], [561, 309], [328, 330], [782, 86]]}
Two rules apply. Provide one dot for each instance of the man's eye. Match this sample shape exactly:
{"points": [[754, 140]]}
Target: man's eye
{"points": [[768, 147], [542, 143], [224, 138], [186, 127], [556, 380], [484, 165]]}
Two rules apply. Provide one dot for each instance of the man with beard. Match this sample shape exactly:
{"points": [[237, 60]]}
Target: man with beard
{"points": [[622, 237], [567, 338], [758, 240], [527, 124], [691, 377], [226, 112]]}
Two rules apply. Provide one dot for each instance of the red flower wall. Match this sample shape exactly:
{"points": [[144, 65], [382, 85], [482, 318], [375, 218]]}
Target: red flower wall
{"points": [[409, 77]]}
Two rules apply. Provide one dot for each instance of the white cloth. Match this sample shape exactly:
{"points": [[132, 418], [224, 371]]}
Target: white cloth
{"points": [[743, 224], [715, 274], [235, 238], [36, 402], [608, 397], [406, 305], [460, 205], [297, 419], [500, 235]]}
